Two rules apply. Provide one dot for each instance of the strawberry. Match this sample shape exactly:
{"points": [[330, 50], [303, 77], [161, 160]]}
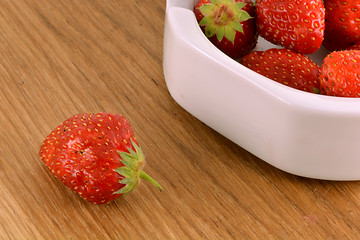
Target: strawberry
{"points": [[356, 46], [285, 66], [95, 155], [229, 25], [340, 74], [297, 24], [342, 24]]}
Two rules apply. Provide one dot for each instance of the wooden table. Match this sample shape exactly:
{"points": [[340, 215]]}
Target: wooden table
{"points": [[58, 58]]}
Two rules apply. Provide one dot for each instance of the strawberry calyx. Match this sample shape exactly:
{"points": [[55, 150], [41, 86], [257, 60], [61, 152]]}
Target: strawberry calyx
{"points": [[223, 18], [132, 170]]}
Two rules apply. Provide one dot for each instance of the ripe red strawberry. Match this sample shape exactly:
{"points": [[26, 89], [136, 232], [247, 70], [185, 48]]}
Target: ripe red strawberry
{"points": [[285, 66], [342, 24], [95, 155], [356, 46], [340, 74], [229, 25], [297, 25]]}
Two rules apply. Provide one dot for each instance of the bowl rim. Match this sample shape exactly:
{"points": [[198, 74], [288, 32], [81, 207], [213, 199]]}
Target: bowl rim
{"points": [[295, 97]]}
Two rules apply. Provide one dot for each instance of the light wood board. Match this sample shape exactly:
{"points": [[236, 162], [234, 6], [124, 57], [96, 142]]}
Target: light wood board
{"points": [[58, 58]]}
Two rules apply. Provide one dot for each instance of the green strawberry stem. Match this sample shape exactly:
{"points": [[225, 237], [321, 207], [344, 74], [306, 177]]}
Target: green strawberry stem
{"points": [[219, 14], [132, 170], [223, 19], [146, 177]]}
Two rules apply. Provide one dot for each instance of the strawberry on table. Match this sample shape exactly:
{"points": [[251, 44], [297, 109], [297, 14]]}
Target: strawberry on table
{"points": [[297, 25], [95, 155], [342, 24], [340, 74], [229, 25], [285, 66]]}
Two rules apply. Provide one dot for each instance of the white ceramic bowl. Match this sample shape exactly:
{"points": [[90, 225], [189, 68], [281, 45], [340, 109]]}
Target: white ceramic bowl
{"points": [[301, 133]]}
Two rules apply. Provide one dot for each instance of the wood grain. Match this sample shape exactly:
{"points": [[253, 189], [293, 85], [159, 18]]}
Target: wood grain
{"points": [[58, 58]]}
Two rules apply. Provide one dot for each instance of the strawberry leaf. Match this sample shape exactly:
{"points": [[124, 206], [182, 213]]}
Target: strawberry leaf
{"points": [[244, 16], [237, 26], [206, 21], [207, 9], [129, 160], [240, 5], [230, 34], [126, 181], [131, 171], [214, 1], [210, 30], [220, 32], [124, 171], [223, 18]]}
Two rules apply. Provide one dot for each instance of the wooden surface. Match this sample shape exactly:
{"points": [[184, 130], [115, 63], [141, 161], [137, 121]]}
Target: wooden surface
{"points": [[58, 58]]}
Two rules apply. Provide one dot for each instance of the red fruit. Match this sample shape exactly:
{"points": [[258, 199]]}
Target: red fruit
{"points": [[285, 66], [95, 155], [229, 25], [340, 74], [356, 46], [297, 25], [342, 24]]}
